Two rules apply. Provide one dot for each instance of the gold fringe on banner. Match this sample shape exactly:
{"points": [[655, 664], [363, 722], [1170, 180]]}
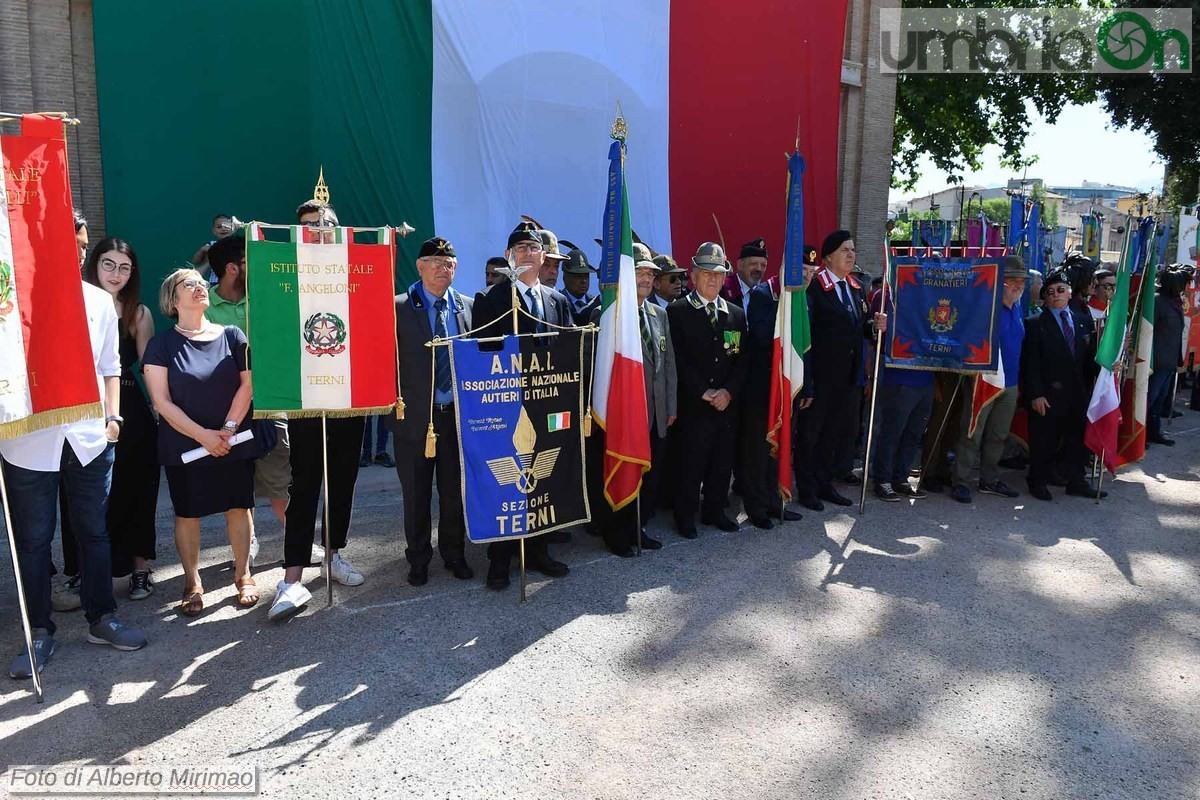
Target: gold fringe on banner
{"points": [[430, 442], [49, 419], [334, 413]]}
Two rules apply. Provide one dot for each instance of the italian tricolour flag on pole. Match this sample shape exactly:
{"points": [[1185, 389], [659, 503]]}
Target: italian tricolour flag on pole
{"points": [[321, 320], [1104, 410], [619, 386], [792, 335]]}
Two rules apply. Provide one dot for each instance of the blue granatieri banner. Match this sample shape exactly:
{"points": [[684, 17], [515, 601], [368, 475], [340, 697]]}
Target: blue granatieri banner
{"points": [[520, 434], [945, 313]]}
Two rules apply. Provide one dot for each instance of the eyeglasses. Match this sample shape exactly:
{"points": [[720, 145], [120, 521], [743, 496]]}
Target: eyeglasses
{"points": [[1108, 287], [674, 278], [527, 247], [1059, 290], [192, 284], [108, 265], [446, 264]]}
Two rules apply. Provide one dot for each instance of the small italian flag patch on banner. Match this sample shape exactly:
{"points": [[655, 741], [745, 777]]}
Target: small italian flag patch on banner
{"points": [[321, 321], [558, 422]]}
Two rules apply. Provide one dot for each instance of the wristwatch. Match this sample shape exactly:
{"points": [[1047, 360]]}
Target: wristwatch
{"points": [[114, 418], [230, 425]]}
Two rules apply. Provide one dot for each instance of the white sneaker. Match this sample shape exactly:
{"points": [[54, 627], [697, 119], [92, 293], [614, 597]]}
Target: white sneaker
{"points": [[65, 596], [318, 554], [343, 572], [289, 599], [253, 548]]}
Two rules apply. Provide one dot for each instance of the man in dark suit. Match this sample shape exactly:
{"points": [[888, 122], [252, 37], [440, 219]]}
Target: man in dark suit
{"points": [[840, 325], [751, 264], [658, 364], [577, 280], [671, 283], [1057, 369], [708, 334], [430, 307], [543, 308]]}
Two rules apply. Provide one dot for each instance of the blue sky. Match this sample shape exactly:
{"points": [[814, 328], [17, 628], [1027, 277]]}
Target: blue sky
{"points": [[1082, 145]]}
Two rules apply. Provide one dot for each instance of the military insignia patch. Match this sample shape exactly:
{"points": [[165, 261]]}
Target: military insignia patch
{"points": [[325, 334]]}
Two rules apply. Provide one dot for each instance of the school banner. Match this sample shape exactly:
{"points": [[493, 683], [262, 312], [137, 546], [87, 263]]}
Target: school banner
{"points": [[321, 320], [945, 313], [47, 372], [520, 414]]}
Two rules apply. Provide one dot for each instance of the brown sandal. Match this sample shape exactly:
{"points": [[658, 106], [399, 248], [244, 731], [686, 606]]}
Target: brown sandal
{"points": [[192, 603], [247, 592]]}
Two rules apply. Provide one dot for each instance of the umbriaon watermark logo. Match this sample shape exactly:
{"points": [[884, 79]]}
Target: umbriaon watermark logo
{"points": [[1035, 40]]}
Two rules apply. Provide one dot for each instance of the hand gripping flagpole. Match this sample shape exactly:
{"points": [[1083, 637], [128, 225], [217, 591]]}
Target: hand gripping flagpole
{"points": [[862, 500], [25, 627]]}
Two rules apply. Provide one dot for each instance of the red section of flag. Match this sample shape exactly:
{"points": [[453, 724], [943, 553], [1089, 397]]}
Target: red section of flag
{"points": [[58, 351], [780, 411], [730, 127], [373, 380], [626, 447]]}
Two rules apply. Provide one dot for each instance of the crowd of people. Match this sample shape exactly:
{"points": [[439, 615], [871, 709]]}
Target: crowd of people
{"points": [[182, 398]]}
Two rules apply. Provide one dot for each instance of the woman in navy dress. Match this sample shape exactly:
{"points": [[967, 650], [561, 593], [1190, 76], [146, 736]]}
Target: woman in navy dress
{"points": [[198, 375]]}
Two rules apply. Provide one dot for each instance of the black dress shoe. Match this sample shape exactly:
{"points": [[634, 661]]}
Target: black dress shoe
{"points": [[1160, 439], [720, 521], [764, 522], [687, 529], [624, 551], [1084, 490], [418, 576], [650, 544], [546, 565], [1040, 491], [461, 569], [791, 516], [497, 576], [831, 495], [385, 460], [364, 461], [850, 479], [811, 503]]}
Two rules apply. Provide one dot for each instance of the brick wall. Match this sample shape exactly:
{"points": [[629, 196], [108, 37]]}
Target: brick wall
{"points": [[47, 63]]}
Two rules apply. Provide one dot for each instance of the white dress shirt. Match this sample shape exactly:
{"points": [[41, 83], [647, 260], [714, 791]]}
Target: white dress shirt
{"points": [[746, 289], [41, 451]]}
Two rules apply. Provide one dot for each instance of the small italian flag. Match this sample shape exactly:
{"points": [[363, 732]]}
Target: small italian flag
{"points": [[321, 320], [558, 422]]}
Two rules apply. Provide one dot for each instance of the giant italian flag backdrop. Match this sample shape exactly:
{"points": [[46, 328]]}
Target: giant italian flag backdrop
{"points": [[458, 116]]}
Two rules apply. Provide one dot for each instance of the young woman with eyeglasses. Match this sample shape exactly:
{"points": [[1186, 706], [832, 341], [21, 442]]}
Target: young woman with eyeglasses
{"points": [[133, 498], [198, 374]]}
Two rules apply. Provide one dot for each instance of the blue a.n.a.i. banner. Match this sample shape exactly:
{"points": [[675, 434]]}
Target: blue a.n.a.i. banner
{"points": [[945, 313], [520, 434]]}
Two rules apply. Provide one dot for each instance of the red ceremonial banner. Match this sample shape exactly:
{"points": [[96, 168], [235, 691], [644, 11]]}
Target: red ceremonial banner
{"points": [[56, 383]]}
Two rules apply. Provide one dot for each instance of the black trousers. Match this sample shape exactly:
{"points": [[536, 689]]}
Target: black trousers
{"points": [[619, 527], [707, 448], [1057, 443], [344, 446], [417, 473], [936, 451], [832, 428], [759, 493]]}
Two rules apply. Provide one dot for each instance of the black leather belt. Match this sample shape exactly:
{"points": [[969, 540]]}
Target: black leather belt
{"points": [[444, 408]]}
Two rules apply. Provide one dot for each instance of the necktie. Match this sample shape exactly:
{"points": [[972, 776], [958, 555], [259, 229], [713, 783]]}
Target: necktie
{"points": [[1068, 329], [712, 314], [845, 291], [441, 355], [535, 306], [647, 342]]}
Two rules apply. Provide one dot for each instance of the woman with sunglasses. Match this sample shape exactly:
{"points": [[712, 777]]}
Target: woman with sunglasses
{"points": [[133, 498], [198, 374]]}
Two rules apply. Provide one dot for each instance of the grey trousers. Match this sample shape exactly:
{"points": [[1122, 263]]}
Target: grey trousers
{"points": [[987, 445]]}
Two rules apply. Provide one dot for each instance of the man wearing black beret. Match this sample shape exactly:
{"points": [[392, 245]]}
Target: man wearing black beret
{"points": [[751, 264], [840, 325]]}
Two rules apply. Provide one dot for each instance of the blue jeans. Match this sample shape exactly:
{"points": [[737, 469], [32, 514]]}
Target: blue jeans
{"points": [[900, 416], [381, 436], [1159, 391], [33, 501]]}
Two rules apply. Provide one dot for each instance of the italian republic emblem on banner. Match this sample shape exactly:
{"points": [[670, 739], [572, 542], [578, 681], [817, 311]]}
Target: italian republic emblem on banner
{"points": [[47, 371], [520, 441], [321, 320], [945, 313]]}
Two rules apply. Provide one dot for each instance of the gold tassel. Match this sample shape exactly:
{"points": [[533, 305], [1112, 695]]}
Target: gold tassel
{"points": [[430, 442], [587, 422], [399, 408]]}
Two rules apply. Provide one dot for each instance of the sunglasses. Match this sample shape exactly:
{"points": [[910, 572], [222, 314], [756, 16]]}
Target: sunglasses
{"points": [[1059, 290], [674, 278]]}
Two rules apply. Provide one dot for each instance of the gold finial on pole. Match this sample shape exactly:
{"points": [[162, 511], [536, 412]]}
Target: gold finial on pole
{"points": [[321, 191], [619, 129]]}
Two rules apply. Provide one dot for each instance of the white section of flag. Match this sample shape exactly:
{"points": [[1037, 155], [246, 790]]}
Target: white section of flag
{"points": [[17, 404], [1105, 399], [619, 337], [322, 283], [498, 66]]}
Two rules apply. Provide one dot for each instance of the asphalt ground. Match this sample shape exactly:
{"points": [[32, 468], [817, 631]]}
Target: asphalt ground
{"points": [[923, 650]]}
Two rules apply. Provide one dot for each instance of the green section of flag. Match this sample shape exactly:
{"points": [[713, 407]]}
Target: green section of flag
{"points": [[1109, 351], [273, 320]]}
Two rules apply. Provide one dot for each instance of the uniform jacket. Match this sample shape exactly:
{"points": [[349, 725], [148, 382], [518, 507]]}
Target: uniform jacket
{"points": [[658, 365], [1048, 368], [412, 332], [707, 357], [1168, 335], [497, 301], [838, 339]]}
